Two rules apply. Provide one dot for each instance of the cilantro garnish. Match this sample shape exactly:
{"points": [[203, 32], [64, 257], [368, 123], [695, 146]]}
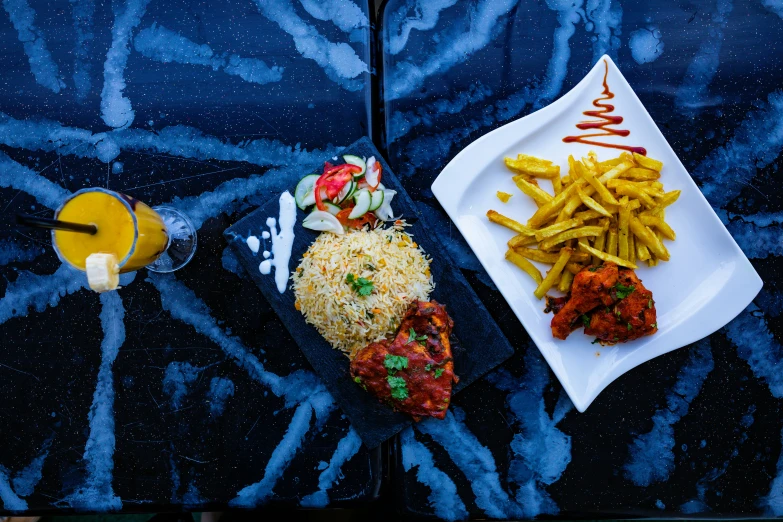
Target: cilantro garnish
{"points": [[596, 340], [585, 320], [654, 325], [622, 291], [413, 337], [357, 380], [427, 367], [394, 363], [399, 390], [594, 268], [629, 326], [438, 372], [360, 285], [649, 303]]}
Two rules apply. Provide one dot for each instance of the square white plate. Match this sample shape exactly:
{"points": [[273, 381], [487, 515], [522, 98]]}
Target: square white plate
{"points": [[707, 282]]}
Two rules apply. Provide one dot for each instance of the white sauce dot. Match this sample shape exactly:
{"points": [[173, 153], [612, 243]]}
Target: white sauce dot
{"points": [[266, 254], [253, 243], [265, 234], [265, 267]]}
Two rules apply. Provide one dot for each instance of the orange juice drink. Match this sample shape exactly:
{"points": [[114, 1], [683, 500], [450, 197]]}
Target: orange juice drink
{"points": [[127, 228]]}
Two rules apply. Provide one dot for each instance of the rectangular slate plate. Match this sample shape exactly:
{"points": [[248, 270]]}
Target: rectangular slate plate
{"points": [[477, 342]]}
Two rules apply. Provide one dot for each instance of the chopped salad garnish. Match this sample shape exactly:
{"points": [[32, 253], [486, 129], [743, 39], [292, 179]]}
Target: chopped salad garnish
{"points": [[351, 192]]}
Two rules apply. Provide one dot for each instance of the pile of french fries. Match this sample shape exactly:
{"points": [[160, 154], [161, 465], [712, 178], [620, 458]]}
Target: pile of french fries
{"points": [[610, 210]]}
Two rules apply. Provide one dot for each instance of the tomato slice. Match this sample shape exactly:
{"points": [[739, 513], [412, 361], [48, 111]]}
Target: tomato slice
{"points": [[367, 219], [333, 179]]}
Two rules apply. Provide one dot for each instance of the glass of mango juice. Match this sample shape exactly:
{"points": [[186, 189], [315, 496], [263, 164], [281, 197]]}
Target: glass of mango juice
{"points": [[162, 239]]}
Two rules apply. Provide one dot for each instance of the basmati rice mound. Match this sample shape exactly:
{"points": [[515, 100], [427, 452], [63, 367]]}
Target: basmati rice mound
{"points": [[389, 257]]}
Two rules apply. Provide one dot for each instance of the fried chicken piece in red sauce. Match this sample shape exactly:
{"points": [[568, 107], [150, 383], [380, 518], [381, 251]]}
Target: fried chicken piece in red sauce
{"points": [[589, 290], [414, 372], [631, 317]]}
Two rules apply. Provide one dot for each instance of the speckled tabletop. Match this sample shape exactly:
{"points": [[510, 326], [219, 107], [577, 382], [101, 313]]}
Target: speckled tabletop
{"points": [[159, 397], [696, 431]]}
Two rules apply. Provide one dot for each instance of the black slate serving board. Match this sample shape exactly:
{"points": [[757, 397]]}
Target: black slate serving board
{"points": [[477, 342]]}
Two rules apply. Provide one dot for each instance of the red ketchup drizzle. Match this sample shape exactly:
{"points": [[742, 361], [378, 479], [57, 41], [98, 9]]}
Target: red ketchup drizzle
{"points": [[604, 123]]}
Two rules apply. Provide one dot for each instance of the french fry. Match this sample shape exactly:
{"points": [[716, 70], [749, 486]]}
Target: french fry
{"points": [[667, 199], [547, 257], [637, 173], [555, 229], [615, 172], [587, 215], [544, 213], [557, 185], [631, 191], [660, 224], [574, 233], [571, 169], [611, 259], [607, 165], [581, 242], [503, 196], [622, 231], [598, 244], [645, 186], [570, 207], [574, 268], [537, 194], [631, 249], [521, 240], [647, 237], [525, 265], [648, 163], [533, 168], [516, 226], [600, 189], [534, 159], [554, 274], [611, 240], [642, 253], [566, 278], [591, 203]]}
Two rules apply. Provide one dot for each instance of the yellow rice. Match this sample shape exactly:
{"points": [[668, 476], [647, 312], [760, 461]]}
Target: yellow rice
{"points": [[390, 258]]}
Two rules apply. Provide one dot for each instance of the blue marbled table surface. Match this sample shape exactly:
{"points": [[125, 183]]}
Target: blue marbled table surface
{"points": [[175, 392]]}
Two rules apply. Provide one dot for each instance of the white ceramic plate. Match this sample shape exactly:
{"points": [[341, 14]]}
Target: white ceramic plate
{"points": [[705, 285]]}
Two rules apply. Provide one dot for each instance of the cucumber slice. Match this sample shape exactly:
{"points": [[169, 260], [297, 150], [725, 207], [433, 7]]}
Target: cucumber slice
{"points": [[359, 162], [332, 208], [384, 212], [377, 200], [323, 222], [347, 191], [363, 200], [303, 195]]}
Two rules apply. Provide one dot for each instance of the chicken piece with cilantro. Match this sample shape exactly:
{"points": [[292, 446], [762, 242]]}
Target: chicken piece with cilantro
{"points": [[413, 372]]}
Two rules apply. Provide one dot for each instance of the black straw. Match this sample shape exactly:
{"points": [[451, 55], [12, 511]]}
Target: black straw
{"points": [[39, 222]]}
